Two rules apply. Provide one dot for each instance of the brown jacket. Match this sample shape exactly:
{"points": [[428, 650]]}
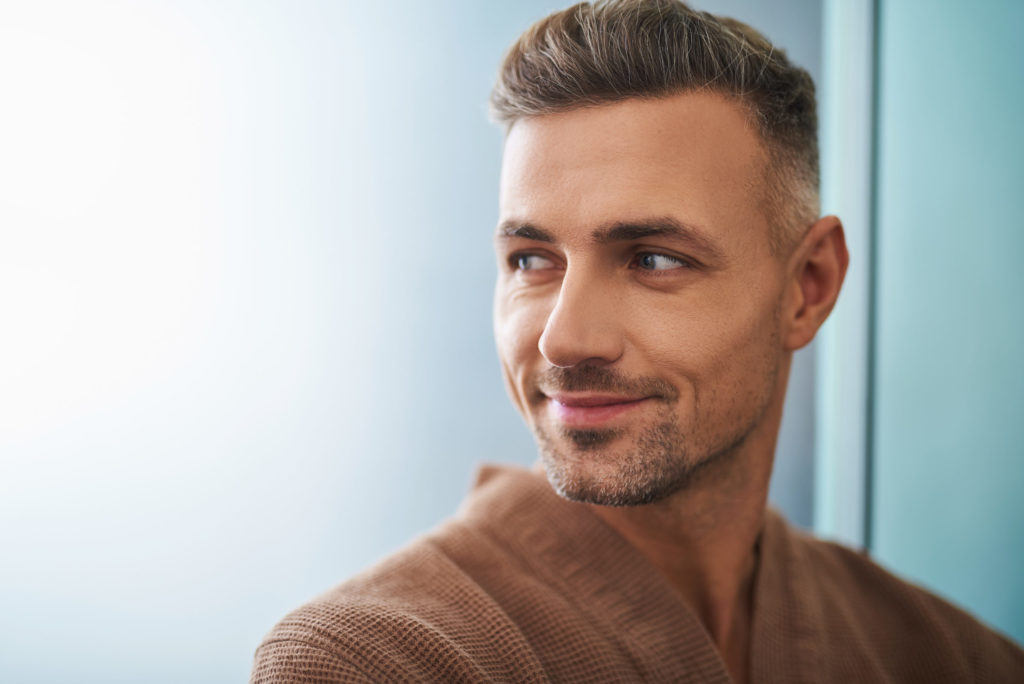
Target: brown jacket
{"points": [[523, 586]]}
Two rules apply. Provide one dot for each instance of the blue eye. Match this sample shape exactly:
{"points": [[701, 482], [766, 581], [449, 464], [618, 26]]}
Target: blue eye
{"points": [[531, 262], [650, 261]]}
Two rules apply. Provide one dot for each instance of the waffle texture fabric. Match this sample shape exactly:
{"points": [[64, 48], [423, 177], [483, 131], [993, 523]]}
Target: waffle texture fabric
{"points": [[523, 586]]}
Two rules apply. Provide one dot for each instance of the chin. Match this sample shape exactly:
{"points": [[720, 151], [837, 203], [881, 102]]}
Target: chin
{"points": [[603, 493], [606, 468]]}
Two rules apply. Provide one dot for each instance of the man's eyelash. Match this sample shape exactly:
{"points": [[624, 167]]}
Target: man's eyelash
{"points": [[683, 263]]}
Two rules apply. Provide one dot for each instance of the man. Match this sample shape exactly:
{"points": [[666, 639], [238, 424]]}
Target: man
{"points": [[660, 259]]}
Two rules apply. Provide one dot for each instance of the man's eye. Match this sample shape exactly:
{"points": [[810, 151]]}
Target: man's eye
{"points": [[649, 261], [531, 262]]}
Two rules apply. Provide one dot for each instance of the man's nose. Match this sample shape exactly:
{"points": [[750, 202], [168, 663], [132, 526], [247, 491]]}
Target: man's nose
{"points": [[583, 326]]}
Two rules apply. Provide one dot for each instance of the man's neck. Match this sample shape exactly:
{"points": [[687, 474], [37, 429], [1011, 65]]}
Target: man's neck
{"points": [[704, 541]]}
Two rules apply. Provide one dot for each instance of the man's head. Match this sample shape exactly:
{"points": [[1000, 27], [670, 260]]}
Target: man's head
{"points": [[659, 257]]}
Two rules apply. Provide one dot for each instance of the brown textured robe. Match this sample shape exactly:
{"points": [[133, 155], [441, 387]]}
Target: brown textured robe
{"points": [[523, 586]]}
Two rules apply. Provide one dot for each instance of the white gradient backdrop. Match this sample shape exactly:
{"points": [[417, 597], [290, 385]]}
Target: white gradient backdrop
{"points": [[245, 283]]}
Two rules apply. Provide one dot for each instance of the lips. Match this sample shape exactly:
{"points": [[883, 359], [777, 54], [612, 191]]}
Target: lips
{"points": [[591, 410]]}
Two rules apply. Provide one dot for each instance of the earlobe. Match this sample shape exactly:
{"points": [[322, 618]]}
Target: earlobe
{"points": [[820, 263]]}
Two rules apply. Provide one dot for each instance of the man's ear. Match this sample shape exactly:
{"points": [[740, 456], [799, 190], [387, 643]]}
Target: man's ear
{"points": [[817, 268]]}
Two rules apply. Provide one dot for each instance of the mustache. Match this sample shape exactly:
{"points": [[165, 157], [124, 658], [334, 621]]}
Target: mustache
{"points": [[589, 378]]}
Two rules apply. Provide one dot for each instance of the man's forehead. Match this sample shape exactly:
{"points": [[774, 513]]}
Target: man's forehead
{"points": [[638, 140], [692, 158], [621, 125]]}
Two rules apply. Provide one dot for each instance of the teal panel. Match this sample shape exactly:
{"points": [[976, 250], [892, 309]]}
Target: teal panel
{"points": [[948, 491]]}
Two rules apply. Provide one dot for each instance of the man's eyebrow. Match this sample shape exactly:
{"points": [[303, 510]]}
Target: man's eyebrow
{"points": [[624, 231], [511, 229]]}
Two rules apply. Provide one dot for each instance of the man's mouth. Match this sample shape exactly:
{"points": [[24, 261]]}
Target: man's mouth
{"points": [[590, 409]]}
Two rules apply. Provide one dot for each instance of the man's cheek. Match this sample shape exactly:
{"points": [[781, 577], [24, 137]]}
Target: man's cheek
{"points": [[518, 332]]}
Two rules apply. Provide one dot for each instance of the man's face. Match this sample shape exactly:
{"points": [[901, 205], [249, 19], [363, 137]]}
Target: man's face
{"points": [[637, 304]]}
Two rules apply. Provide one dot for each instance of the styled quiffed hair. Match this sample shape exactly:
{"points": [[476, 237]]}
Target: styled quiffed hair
{"points": [[597, 53]]}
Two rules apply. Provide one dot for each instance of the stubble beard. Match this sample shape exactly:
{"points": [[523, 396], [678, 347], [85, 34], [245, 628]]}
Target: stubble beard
{"points": [[650, 468], [609, 467], [652, 471]]}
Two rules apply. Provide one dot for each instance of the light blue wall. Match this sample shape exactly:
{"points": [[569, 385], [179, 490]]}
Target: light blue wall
{"points": [[948, 508]]}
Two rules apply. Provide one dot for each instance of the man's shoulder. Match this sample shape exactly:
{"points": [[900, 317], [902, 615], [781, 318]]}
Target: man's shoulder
{"points": [[866, 612], [408, 617]]}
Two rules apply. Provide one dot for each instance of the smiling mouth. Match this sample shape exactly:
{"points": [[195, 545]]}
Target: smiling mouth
{"points": [[591, 410]]}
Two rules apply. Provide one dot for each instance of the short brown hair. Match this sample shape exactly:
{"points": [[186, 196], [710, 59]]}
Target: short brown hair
{"points": [[610, 50]]}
